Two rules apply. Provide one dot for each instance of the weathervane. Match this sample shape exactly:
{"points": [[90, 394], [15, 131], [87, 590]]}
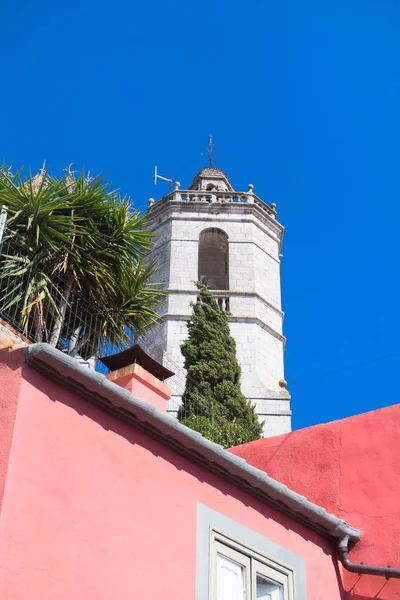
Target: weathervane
{"points": [[209, 151]]}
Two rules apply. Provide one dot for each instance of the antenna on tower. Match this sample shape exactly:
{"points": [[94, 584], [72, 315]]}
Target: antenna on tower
{"points": [[157, 176], [209, 152]]}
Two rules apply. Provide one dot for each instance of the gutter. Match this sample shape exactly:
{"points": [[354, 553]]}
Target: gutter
{"points": [[96, 388], [360, 568]]}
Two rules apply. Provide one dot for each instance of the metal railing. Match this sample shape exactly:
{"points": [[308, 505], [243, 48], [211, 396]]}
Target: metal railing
{"points": [[34, 303]]}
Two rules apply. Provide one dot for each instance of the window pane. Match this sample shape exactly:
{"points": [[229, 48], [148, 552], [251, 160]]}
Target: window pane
{"points": [[266, 589], [231, 579]]}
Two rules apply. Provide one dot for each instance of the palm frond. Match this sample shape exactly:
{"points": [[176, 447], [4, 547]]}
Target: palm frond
{"points": [[78, 259]]}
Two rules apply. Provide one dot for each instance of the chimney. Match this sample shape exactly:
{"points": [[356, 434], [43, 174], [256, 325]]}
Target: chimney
{"points": [[141, 375], [143, 385]]}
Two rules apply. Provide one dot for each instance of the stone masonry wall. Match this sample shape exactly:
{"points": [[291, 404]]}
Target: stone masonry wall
{"points": [[254, 298]]}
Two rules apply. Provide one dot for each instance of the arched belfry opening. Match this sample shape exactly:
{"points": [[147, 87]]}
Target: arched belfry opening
{"points": [[214, 259]]}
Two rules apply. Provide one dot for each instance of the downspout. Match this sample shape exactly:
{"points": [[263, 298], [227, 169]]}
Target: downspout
{"points": [[360, 568]]}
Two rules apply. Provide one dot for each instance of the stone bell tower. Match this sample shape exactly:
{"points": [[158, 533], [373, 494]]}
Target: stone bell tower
{"points": [[230, 241]]}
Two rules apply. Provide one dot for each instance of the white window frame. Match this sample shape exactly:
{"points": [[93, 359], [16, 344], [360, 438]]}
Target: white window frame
{"points": [[253, 561]]}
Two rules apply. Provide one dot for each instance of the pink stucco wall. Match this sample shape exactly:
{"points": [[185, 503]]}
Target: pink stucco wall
{"points": [[350, 467], [10, 383], [94, 509]]}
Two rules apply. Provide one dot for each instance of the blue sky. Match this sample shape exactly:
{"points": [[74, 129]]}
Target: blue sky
{"points": [[303, 100]]}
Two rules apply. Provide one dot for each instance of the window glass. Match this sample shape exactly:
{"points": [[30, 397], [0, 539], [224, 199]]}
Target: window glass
{"points": [[267, 589], [231, 579]]}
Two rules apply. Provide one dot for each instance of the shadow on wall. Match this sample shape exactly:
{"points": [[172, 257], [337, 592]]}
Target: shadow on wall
{"points": [[378, 587], [133, 436], [385, 595]]}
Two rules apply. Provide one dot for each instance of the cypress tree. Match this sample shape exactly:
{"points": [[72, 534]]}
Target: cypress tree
{"points": [[212, 402]]}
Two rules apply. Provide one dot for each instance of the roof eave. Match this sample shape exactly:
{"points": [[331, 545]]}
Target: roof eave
{"points": [[96, 388]]}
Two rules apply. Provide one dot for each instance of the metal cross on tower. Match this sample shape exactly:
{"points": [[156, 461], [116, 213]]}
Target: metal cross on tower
{"points": [[211, 160]]}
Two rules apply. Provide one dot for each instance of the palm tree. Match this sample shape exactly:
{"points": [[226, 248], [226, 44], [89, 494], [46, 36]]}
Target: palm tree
{"points": [[74, 265]]}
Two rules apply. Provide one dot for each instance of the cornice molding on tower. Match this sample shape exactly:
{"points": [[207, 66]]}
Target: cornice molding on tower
{"points": [[216, 208], [268, 412], [231, 293], [231, 319], [176, 217]]}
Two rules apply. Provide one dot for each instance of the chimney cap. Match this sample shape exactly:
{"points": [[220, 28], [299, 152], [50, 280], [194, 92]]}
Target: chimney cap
{"points": [[136, 354]]}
